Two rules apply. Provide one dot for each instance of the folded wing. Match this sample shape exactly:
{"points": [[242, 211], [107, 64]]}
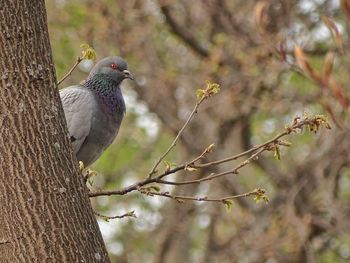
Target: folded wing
{"points": [[78, 104]]}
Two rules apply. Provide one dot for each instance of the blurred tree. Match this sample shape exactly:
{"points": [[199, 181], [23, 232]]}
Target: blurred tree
{"points": [[45, 211], [246, 47]]}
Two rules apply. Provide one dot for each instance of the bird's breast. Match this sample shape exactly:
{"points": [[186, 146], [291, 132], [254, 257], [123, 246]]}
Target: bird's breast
{"points": [[104, 127]]}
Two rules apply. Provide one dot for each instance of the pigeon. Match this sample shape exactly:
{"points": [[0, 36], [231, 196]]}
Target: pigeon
{"points": [[95, 109]]}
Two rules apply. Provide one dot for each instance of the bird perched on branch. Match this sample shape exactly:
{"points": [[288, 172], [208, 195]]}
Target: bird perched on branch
{"points": [[95, 109]]}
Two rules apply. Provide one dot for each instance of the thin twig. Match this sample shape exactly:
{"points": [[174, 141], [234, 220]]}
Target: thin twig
{"points": [[201, 156], [214, 176], [173, 144], [128, 214], [180, 198], [297, 125], [237, 156], [77, 62]]}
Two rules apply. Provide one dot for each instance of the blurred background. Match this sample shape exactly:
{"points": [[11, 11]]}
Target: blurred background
{"points": [[173, 47]]}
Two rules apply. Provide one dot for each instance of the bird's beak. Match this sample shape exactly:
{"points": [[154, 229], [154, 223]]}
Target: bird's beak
{"points": [[128, 75]]}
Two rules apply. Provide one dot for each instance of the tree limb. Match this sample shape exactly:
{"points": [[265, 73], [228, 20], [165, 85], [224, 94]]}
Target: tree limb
{"points": [[313, 123], [182, 33]]}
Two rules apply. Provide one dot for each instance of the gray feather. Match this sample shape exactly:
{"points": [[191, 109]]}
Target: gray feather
{"points": [[92, 129], [95, 110], [78, 105]]}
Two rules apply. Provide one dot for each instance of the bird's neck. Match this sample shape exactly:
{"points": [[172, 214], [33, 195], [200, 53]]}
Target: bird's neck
{"points": [[108, 92]]}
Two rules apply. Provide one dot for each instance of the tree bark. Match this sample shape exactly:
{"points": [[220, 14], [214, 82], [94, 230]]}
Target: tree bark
{"points": [[45, 213]]}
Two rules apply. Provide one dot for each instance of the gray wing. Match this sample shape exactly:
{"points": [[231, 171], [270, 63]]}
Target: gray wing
{"points": [[78, 105]]}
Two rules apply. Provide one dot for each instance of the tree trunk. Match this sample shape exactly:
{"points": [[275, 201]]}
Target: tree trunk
{"points": [[45, 213]]}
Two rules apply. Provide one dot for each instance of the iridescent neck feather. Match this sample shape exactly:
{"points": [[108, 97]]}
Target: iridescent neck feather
{"points": [[108, 92]]}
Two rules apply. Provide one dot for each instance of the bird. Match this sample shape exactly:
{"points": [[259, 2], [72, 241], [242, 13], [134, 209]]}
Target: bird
{"points": [[94, 110]]}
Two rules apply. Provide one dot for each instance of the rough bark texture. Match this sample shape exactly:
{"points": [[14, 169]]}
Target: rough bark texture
{"points": [[45, 214]]}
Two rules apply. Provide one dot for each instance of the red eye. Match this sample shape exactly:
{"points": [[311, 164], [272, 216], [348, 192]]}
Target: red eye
{"points": [[114, 66]]}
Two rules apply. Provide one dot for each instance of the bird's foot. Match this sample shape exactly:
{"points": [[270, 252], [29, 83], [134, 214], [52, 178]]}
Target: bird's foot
{"points": [[89, 174]]}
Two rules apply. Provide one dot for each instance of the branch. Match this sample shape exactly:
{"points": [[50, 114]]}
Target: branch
{"points": [[202, 94], [313, 123], [295, 126], [173, 144], [260, 193], [107, 218], [87, 53], [181, 32], [214, 176], [123, 191], [77, 62]]}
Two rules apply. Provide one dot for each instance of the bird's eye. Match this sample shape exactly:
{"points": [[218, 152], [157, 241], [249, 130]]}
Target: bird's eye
{"points": [[114, 66]]}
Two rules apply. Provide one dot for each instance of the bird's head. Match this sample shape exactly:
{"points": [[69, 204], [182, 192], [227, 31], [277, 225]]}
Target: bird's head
{"points": [[114, 68]]}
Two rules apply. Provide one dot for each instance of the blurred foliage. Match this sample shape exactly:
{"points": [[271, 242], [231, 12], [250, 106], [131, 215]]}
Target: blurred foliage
{"points": [[306, 220]]}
